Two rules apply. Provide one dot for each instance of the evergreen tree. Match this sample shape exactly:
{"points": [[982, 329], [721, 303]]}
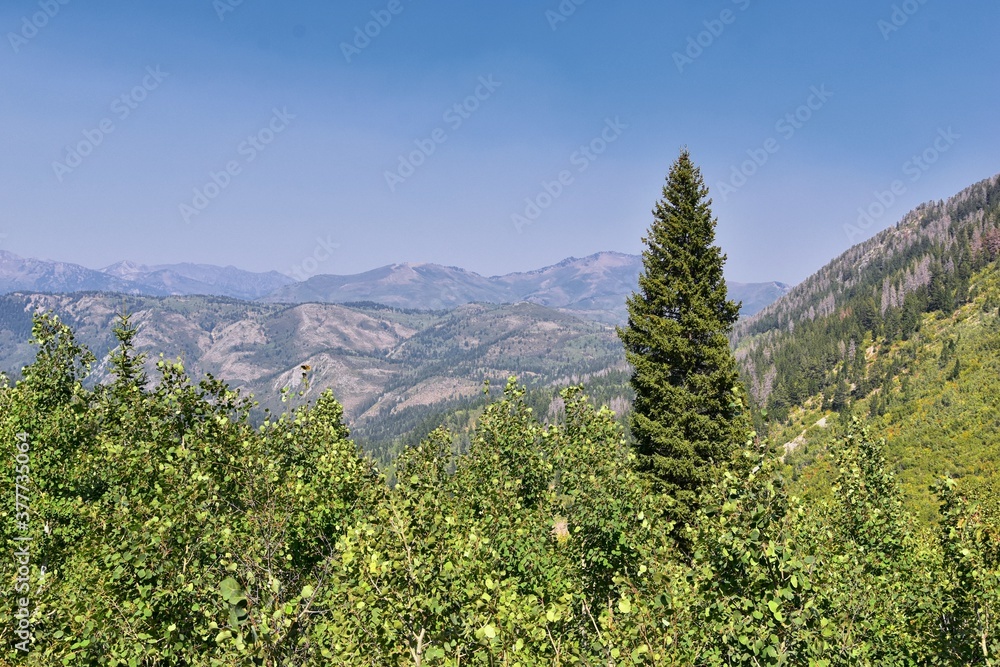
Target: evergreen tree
{"points": [[841, 396], [688, 414]]}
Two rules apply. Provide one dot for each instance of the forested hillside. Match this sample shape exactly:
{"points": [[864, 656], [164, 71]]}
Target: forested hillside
{"points": [[937, 405], [902, 330], [396, 372], [818, 336]]}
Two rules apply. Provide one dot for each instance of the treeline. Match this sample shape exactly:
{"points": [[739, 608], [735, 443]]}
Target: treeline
{"points": [[173, 532]]}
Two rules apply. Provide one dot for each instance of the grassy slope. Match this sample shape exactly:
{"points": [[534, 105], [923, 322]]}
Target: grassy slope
{"points": [[935, 422]]}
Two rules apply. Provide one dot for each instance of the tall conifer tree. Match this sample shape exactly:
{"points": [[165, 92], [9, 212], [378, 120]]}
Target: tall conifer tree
{"points": [[688, 414]]}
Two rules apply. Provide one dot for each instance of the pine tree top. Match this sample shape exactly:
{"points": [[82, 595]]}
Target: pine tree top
{"points": [[682, 266]]}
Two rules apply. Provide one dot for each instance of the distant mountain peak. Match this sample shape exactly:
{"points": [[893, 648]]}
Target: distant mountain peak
{"points": [[594, 286], [125, 269]]}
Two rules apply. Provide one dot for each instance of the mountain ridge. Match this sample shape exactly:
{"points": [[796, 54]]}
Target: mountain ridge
{"points": [[594, 286], [388, 368]]}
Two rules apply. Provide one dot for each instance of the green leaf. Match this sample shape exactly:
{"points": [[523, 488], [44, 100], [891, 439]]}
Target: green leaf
{"points": [[231, 590]]}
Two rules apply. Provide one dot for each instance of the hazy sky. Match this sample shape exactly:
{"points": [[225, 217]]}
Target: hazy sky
{"points": [[492, 136]]}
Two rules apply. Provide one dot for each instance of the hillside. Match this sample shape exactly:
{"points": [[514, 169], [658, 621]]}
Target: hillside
{"points": [[936, 405], [390, 368], [878, 289], [901, 329]]}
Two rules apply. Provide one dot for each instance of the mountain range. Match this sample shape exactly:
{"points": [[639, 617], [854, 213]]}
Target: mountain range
{"points": [[401, 345], [593, 287], [18, 274]]}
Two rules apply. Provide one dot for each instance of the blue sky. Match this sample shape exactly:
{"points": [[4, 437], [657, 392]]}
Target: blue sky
{"points": [[247, 133]]}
